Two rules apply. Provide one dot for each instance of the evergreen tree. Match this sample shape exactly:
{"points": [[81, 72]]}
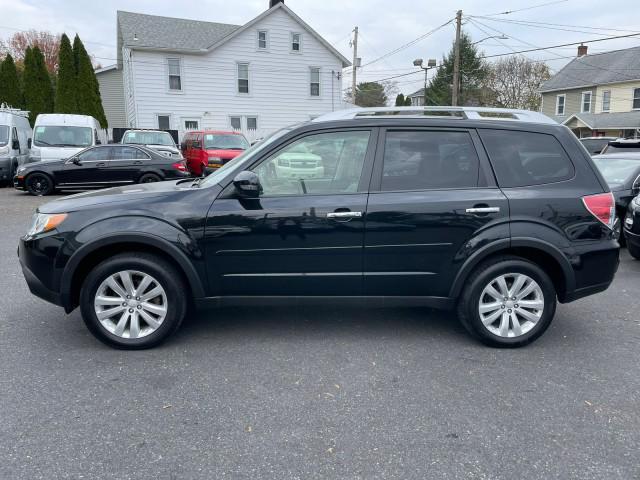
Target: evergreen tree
{"points": [[407, 101], [473, 72], [88, 91], [38, 92], [10, 92], [400, 100], [66, 83], [371, 94]]}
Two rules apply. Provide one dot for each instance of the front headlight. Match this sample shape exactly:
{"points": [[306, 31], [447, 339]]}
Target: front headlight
{"points": [[45, 222]]}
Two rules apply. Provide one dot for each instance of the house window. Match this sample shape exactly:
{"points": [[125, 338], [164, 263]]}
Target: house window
{"points": [[243, 78], [175, 79], [163, 122], [560, 100], [191, 124], [252, 123], [586, 102], [262, 39], [636, 98], [606, 101], [236, 123], [296, 42], [315, 82]]}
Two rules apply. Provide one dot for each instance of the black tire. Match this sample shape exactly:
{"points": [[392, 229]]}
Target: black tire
{"points": [[39, 184], [165, 274], [634, 250], [483, 274], [149, 178]]}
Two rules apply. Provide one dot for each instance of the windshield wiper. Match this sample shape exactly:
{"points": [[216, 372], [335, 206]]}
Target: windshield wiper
{"points": [[42, 142], [196, 182]]}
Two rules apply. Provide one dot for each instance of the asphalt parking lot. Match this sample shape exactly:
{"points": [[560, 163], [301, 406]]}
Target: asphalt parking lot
{"points": [[316, 392]]}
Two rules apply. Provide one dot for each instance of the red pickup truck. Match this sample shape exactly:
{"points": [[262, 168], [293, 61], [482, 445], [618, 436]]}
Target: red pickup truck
{"points": [[210, 149]]}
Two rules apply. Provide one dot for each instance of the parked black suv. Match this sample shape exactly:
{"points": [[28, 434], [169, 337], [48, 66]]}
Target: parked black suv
{"points": [[497, 213]]}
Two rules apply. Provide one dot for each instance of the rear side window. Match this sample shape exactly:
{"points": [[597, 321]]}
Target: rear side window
{"points": [[422, 160], [521, 159], [128, 153]]}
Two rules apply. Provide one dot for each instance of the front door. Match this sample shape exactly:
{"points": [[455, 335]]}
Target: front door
{"points": [[91, 168], [432, 192], [304, 235]]}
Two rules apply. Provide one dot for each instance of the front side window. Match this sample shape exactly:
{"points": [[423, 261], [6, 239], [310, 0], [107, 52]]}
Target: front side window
{"points": [[325, 163], [560, 99], [606, 100], [315, 82], [243, 78], [296, 42], [62, 136], [525, 158], [636, 98], [128, 153], [236, 123], [262, 39], [422, 160], [175, 78], [99, 154], [586, 102]]}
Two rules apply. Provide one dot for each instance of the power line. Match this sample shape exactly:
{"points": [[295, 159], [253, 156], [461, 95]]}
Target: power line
{"points": [[509, 12], [557, 28], [518, 21]]}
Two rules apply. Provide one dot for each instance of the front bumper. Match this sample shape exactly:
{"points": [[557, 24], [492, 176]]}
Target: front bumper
{"points": [[6, 168], [18, 182], [30, 261]]}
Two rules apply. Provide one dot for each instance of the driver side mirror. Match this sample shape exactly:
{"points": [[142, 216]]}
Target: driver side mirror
{"points": [[29, 143], [98, 142], [76, 161], [247, 184], [15, 145]]}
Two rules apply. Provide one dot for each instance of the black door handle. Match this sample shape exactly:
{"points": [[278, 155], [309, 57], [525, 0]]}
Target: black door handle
{"points": [[101, 164]]}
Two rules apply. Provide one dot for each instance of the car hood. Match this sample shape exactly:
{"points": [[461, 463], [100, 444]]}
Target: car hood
{"points": [[128, 193]]}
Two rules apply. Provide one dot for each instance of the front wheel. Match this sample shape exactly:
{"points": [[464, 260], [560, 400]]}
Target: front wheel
{"points": [[133, 300], [507, 302], [39, 184]]}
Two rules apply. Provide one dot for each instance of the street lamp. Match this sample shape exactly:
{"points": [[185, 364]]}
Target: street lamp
{"points": [[499, 37], [431, 63]]}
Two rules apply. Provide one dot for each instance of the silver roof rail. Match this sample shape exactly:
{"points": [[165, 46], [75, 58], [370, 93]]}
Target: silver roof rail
{"points": [[461, 113]]}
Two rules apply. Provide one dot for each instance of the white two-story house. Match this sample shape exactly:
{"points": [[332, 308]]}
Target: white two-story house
{"points": [[186, 75]]}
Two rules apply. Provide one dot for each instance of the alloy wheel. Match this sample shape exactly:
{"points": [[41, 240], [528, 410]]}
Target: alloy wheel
{"points": [[38, 184], [130, 304], [511, 305]]}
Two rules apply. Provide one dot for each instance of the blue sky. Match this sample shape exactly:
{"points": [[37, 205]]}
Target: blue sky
{"points": [[384, 25]]}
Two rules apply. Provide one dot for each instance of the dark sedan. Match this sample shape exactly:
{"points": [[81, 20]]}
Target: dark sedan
{"points": [[99, 167], [622, 173]]}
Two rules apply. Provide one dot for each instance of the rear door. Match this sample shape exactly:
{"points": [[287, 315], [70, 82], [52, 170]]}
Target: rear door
{"points": [[126, 164], [432, 192]]}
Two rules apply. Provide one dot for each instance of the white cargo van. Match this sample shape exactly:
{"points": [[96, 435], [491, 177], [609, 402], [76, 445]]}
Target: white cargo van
{"points": [[60, 135], [15, 135]]}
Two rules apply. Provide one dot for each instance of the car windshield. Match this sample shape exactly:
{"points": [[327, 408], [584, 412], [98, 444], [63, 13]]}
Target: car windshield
{"points": [[225, 142], [617, 170], [148, 138], [62, 136], [4, 135], [223, 172]]}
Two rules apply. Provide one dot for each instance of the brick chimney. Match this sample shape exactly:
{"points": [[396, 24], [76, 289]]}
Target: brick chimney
{"points": [[582, 50], [273, 3]]}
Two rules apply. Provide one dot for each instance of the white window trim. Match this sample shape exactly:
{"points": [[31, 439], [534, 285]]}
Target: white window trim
{"points": [[266, 35], [291, 50], [169, 89], [237, 86], [582, 110], [633, 92], [564, 104], [602, 106], [163, 115], [319, 83]]}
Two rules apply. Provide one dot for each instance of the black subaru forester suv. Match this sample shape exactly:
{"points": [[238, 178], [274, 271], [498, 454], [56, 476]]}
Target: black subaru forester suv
{"points": [[497, 213]]}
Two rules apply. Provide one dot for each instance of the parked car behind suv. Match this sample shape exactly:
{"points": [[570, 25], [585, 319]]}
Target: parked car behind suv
{"points": [[622, 145], [594, 145], [209, 150], [158, 140], [99, 167], [496, 213]]}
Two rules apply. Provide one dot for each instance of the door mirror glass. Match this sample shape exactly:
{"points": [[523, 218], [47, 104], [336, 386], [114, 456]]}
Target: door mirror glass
{"points": [[247, 184], [29, 143], [76, 161], [15, 144]]}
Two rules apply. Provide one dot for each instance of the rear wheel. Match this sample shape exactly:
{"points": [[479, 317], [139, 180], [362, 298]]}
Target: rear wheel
{"points": [[149, 178], [39, 184], [133, 301], [507, 302], [634, 250]]}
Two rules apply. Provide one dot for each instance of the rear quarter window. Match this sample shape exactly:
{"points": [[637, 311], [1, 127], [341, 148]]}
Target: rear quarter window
{"points": [[521, 159]]}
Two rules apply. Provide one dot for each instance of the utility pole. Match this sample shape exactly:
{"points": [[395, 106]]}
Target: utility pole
{"points": [[354, 43], [456, 61]]}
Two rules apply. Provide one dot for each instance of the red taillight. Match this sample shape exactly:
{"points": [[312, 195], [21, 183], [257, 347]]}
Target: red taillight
{"points": [[602, 206], [180, 166]]}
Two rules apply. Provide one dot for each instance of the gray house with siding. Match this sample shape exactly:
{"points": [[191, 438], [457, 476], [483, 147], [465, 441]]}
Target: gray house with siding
{"points": [[112, 94], [597, 95]]}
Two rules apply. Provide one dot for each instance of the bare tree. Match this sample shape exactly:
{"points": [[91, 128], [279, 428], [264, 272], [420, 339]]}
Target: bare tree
{"points": [[48, 43], [514, 81]]}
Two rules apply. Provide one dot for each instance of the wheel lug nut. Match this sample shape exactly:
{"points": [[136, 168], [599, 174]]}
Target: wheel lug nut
{"points": [[124, 304], [128, 296], [138, 298], [513, 298], [516, 305], [139, 307], [503, 305], [509, 311], [131, 310]]}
